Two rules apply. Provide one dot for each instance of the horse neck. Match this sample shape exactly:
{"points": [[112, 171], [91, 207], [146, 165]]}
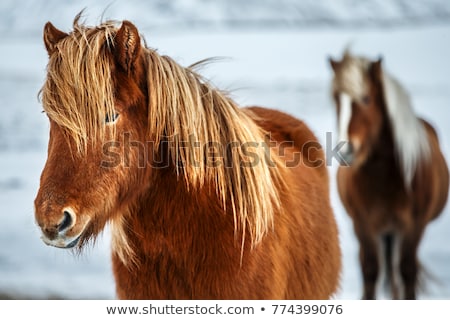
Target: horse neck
{"points": [[171, 219], [383, 151]]}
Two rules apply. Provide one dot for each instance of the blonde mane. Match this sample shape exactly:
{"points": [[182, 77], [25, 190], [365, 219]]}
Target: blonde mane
{"points": [[409, 135], [78, 93], [184, 108], [187, 109], [351, 76]]}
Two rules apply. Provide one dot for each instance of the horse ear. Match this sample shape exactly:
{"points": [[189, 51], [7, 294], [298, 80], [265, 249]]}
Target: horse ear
{"points": [[375, 69], [333, 63], [52, 36], [127, 45]]}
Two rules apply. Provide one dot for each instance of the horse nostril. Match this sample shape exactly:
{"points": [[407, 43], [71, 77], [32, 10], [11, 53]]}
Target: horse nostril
{"points": [[66, 222]]}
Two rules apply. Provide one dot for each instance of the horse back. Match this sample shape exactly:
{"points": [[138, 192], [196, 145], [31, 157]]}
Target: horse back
{"points": [[292, 135]]}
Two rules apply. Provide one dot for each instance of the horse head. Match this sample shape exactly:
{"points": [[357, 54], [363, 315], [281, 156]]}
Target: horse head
{"points": [[93, 94], [358, 96]]}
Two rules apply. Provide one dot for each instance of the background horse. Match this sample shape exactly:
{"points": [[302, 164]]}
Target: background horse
{"points": [[396, 179], [201, 204]]}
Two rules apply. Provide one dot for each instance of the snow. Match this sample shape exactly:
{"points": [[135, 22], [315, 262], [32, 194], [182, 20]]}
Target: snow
{"points": [[282, 64]]}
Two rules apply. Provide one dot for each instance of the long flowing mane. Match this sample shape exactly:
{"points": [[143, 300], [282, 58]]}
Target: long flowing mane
{"points": [[409, 135], [182, 108], [79, 93], [187, 109]]}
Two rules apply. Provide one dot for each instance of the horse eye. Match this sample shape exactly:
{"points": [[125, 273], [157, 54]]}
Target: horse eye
{"points": [[366, 100], [111, 118]]}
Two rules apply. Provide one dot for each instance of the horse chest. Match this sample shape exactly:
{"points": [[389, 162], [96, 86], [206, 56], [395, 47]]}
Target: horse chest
{"points": [[372, 194]]}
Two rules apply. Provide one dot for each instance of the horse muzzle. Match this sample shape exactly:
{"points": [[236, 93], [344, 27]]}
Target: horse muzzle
{"points": [[60, 231], [347, 154], [62, 242]]}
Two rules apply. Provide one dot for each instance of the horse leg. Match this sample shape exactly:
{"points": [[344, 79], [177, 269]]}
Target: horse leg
{"points": [[409, 265], [368, 257], [391, 255]]}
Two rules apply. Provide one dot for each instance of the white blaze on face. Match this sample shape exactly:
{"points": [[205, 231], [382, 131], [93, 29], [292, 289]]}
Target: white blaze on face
{"points": [[345, 115]]}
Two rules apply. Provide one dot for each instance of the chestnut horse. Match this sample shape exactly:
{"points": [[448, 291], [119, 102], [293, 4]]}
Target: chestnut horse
{"points": [[201, 205], [396, 179]]}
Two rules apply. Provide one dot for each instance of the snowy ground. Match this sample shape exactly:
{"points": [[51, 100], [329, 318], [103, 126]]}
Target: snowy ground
{"points": [[284, 68]]}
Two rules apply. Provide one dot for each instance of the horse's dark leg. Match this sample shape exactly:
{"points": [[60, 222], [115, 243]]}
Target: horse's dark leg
{"points": [[389, 250], [409, 265], [368, 257]]}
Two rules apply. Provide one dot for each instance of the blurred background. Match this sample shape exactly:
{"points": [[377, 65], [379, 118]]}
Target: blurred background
{"points": [[274, 54]]}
